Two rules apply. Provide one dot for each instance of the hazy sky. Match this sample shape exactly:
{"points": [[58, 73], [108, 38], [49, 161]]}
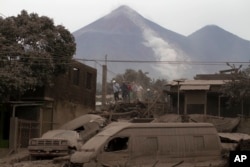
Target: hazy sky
{"points": [[181, 16]]}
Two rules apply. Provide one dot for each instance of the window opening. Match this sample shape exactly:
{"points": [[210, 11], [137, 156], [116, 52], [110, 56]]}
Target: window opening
{"points": [[79, 129], [75, 78], [117, 144], [88, 80]]}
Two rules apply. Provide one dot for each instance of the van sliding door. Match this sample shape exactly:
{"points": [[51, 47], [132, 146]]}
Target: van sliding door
{"points": [[115, 152], [144, 150]]}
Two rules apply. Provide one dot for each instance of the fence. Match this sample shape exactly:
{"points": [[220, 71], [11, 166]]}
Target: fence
{"points": [[21, 131]]}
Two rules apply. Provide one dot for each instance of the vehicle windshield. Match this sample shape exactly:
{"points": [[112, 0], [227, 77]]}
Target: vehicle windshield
{"points": [[94, 143]]}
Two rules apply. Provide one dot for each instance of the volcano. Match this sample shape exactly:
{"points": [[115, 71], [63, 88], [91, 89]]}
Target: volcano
{"points": [[127, 40]]}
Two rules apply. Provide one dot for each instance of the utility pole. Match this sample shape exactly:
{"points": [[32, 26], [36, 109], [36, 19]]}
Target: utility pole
{"points": [[104, 83], [178, 94]]}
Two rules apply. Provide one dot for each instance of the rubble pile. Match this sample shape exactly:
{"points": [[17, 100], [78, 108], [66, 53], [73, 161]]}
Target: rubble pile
{"points": [[244, 145]]}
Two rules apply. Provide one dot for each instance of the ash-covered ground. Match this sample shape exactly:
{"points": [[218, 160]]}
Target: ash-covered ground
{"points": [[22, 159]]}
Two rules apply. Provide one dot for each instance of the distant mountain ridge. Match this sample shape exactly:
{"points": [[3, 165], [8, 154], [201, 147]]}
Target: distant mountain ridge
{"points": [[126, 35], [219, 44]]}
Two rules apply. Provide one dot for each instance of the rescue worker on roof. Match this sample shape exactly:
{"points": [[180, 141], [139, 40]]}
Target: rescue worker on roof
{"points": [[116, 89]]}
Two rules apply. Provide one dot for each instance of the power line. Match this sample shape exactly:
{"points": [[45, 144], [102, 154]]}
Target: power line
{"points": [[145, 61], [170, 62]]}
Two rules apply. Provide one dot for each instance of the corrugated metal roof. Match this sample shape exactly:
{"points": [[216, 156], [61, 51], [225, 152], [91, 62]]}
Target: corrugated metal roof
{"points": [[195, 87]]}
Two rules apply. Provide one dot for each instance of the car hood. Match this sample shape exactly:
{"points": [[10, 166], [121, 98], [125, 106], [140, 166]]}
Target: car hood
{"points": [[80, 121]]}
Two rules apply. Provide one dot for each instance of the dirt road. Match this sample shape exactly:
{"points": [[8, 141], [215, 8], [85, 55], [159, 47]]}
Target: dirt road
{"points": [[41, 163], [21, 159]]}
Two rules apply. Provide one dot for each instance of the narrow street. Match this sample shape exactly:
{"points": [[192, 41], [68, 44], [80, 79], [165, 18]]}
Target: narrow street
{"points": [[21, 159]]}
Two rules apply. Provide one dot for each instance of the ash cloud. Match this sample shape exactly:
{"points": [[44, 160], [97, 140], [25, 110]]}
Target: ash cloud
{"points": [[163, 50]]}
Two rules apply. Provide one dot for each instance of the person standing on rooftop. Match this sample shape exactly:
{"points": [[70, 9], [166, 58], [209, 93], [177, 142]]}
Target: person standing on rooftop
{"points": [[116, 89]]}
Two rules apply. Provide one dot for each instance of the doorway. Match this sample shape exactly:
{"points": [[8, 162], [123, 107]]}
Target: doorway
{"points": [[4, 126]]}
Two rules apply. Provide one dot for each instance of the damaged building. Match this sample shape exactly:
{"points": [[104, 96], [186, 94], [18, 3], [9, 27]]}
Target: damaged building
{"points": [[203, 95], [71, 95]]}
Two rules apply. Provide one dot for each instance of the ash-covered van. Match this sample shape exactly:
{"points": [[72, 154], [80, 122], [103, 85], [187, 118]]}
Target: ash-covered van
{"points": [[151, 144]]}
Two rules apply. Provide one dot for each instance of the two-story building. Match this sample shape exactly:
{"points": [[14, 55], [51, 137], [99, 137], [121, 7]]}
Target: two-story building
{"points": [[71, 95]]}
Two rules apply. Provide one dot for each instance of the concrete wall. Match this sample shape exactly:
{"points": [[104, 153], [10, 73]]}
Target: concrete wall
{"points": [[73, 93], [65, 111]]}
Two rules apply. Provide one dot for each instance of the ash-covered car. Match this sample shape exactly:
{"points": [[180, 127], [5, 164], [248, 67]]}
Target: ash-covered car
{"points": [[68, 138]]}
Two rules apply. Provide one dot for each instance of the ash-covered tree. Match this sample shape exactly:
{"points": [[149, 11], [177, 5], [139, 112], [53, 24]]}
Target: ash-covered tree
{"points": [[238, 89], [32, 51]]}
